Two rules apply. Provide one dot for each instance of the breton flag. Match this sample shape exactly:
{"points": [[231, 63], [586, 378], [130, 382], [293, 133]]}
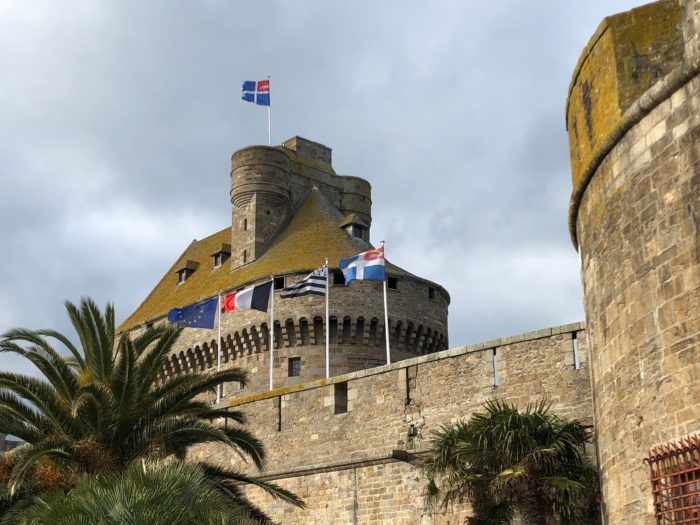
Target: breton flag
{"points": [[254, 298], [314, 283], [257, 92], [366, 266], [199, 315]]}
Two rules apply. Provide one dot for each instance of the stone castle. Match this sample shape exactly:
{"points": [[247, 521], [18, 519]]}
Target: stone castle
{"points": [[349, 445]]}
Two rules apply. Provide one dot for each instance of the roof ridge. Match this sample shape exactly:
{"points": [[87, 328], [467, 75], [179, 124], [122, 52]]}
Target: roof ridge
{"points": [[168, 272]]}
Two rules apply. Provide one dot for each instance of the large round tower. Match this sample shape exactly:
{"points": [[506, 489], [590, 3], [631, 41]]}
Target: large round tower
{"points": [[633, 119], [291, 212]]}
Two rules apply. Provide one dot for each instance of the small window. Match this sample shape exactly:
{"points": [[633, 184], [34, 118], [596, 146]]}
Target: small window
{"points": [[268, 212], [220, 258], [358, 231], [392, 283], [245, 225], [245, 256], [338, 278], [279, 283], [294, 366], [182, 275], [431, 293], [341, 397]]}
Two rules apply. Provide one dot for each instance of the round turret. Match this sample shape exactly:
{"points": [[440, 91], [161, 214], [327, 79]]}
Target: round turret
{"points": [[260, 171], [357, 198], [633, 118], [260, 193]]}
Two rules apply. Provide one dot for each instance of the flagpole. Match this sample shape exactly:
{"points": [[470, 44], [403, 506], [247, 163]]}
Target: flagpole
{"points": [[269, 128], [328, 353], [218, 349], [272, 327], [386, 315]]}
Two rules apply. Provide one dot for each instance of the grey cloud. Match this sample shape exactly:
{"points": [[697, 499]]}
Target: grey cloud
{"points": [[118, 120]]}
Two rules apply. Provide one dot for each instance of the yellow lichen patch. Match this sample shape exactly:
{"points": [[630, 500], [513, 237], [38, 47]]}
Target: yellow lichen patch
{"points": [[268, 394], [310, 236], [626, 56]]}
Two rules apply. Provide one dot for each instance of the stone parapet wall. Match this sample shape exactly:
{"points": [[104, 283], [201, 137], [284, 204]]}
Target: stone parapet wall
{"points": [[352, 459]]}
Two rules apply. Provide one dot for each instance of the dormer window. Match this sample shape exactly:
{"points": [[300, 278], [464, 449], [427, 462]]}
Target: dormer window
{"points": [[185, 271], [183, 275], [355, 227], [221, 255]]}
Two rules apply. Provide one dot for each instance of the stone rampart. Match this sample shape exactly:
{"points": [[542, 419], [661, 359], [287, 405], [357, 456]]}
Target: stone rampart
{"points": [[349, 445]]}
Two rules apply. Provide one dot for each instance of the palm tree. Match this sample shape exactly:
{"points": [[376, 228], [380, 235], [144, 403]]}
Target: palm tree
{"points": [[505, 462], [145, 493], [103, 407]]}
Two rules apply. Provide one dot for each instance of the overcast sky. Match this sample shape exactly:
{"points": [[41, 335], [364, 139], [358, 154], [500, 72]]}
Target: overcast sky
{"points": [[118, 120]]}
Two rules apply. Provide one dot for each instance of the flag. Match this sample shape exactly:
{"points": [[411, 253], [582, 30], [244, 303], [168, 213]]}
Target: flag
{"points": [[366, 266], [314, 283], [258, 92], [254, 298], [200, 315]]}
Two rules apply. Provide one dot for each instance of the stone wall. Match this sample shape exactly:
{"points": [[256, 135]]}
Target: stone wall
{"points": [[353, 459]]}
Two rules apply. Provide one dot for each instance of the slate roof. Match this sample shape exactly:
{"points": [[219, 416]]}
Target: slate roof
{"points": [[311, 235]]}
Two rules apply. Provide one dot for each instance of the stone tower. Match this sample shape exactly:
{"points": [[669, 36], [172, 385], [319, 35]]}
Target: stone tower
{"points": [[633, 119], [291, 211], [268, 184]]}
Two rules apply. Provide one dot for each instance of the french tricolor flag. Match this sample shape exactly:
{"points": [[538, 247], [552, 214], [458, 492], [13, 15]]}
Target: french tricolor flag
{"points": [[257, 92], [253, 298]]}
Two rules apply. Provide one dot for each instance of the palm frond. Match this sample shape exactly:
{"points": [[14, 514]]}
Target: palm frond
{"points": [[506, 461], [26, 456]]}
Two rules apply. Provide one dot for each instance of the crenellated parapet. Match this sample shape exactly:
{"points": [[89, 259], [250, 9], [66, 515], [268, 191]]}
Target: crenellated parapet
{"points": [[306, 337]]}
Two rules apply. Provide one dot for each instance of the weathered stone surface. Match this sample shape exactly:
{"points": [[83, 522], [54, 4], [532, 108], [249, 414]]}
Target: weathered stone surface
{"points": [[344, 465], [637, 230]]}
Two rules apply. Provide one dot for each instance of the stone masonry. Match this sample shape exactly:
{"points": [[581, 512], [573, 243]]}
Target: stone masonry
{"points": [[353, 459], [634, 127], [349, 445]]}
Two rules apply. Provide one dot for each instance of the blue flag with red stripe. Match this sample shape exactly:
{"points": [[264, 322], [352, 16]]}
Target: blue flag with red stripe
{"points": [[366, 266], [257, 92]]}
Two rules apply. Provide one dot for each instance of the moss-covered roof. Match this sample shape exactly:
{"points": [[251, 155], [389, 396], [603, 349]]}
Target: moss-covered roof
{"points": [[303, 243]]}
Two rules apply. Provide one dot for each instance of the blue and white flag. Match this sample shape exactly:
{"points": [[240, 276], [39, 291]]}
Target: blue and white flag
{"points": [[200, 315], [314, 283], [366, 266], [257, 92]]}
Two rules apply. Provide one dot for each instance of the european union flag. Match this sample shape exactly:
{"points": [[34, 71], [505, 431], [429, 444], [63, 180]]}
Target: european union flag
{"points": [[200, 315]]}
